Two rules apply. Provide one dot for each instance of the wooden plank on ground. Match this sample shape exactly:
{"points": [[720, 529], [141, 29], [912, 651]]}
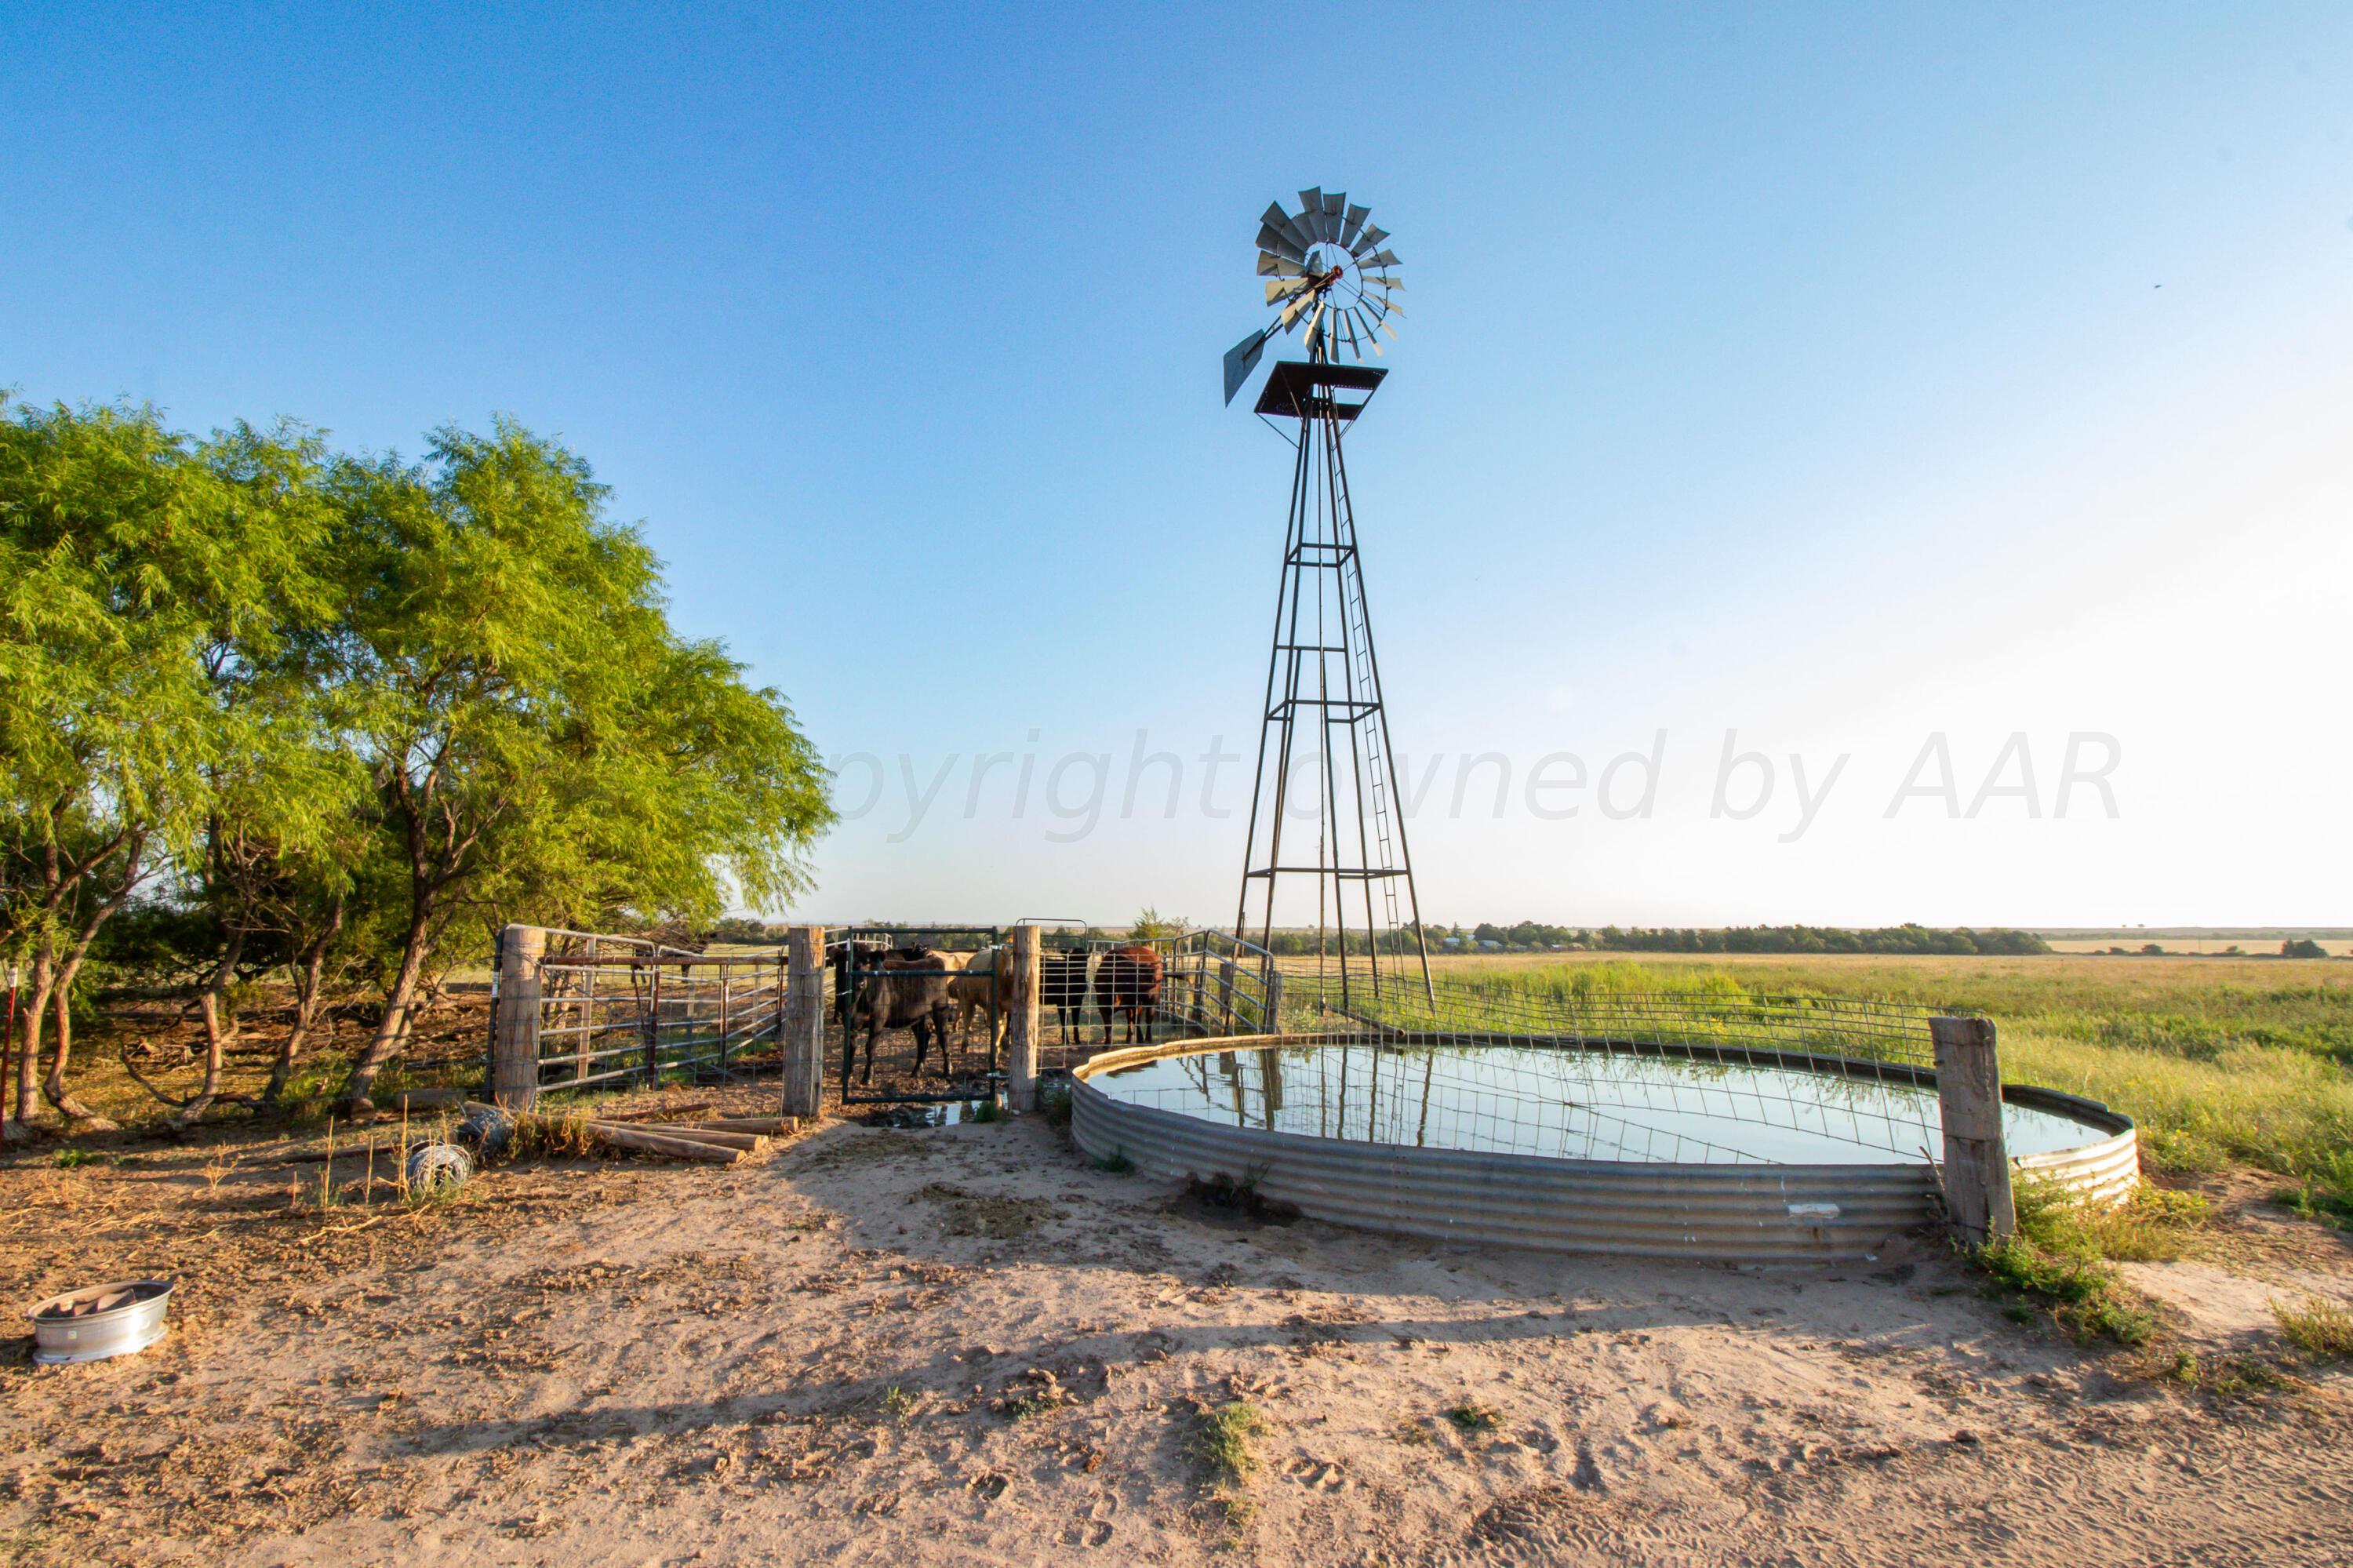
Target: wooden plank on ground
{"points": [[662, 1143], [773, 1125], [749, 1142]]}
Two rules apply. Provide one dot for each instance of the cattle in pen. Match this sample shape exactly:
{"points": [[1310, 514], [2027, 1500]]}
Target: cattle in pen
{"points": [[1128, 983], [983, 989], [900, 993], [1062, 986]]}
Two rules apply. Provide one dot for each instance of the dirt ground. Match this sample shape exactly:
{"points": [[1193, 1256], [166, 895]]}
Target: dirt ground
{"points": [[967, 1344]]}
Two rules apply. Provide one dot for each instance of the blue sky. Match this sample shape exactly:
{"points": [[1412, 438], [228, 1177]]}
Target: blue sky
{"points": [[1839, 377]]}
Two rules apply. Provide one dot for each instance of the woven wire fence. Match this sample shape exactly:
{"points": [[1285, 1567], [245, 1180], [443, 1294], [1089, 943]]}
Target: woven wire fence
{"points": [[1563, 1067], [1574, 1009]]}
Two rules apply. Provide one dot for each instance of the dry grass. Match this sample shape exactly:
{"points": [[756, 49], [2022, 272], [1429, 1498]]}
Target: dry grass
{"points": [[2317, 1326]]}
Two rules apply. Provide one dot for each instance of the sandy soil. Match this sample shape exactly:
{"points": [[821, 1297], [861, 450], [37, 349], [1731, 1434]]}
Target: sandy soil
{"points": [[966, 1344]]}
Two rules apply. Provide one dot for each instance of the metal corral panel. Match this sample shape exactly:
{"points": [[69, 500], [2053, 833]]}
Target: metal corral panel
{"points": [[1732, 1214]]}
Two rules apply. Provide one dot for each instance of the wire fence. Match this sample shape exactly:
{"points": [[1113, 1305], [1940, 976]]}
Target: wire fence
{"points": [[1563, 1101], [1096, 991], [1582, 1010], [621, 1011], [1570, 1068], [1565, 1065]]}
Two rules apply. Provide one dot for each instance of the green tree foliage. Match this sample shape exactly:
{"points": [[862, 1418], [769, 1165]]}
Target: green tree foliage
{"points": [[347, 714], [542, 744], [137, 567], [2301, 947]]}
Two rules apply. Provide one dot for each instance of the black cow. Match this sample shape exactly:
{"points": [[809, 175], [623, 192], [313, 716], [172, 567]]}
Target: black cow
{"points": [[845, 958], [908, 993], [1062, 986], [851, 959]]}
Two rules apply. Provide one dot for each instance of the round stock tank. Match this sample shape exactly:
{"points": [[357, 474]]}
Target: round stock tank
{"points": [[1658, 1147]]}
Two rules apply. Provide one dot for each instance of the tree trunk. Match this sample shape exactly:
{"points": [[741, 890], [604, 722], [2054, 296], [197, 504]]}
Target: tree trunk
{"points": [[54, 1086], [392, 1031], [31, 1002], [216, 1039], [307, 976]]}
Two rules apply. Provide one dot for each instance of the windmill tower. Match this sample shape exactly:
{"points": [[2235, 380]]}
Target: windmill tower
{"points": [[1324, 734]]}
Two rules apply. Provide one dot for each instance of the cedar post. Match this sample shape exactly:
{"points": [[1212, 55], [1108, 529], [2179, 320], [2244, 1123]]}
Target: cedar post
{"points": [[1271, 1021], [801, 1001], [1225, 996], [515, 1019], [1977, 1161], [1021, 1032]]}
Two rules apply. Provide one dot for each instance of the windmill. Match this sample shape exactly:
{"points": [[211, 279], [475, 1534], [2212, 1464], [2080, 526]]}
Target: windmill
{"points": [[1322, 730]]}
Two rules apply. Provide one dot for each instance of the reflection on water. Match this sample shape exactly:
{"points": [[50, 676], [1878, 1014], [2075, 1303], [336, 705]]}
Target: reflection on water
{"points": [[1567, 1104]]}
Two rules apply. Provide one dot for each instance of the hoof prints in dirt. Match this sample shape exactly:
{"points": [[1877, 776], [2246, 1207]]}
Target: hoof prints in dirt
{"points": [[1537, 1522], [970, 1214]]}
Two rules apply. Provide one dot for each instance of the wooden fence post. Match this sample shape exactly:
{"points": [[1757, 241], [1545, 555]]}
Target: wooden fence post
{"points": [[1021, 1031], [1271, 1022], [1977, 1161], [515, 1019], [802, 1002], [1225, 996]]}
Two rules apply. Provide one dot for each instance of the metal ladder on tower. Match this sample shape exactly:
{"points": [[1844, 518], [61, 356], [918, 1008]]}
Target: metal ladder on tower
{"points": [[1369, 691]]}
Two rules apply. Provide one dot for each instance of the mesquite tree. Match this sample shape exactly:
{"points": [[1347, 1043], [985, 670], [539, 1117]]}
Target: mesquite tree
{"points": [[136, 568], [352, 712], [541, 743]]}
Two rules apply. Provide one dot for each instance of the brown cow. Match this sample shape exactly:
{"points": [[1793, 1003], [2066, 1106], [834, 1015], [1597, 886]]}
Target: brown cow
{"points": [[1127, 982], [985, 988]]}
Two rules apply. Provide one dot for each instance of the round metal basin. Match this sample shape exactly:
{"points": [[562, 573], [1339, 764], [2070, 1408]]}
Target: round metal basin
{"points": [[89, 1325], [1722, 1152]]}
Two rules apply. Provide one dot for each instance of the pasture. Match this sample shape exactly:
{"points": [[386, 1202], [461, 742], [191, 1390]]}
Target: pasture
{"points": [[2218, 1059]]}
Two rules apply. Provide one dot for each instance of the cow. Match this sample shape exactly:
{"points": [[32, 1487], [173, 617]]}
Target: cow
{"points": [[1128, 983], [1062, 986], [907, 994], [853, 958], [985, 986], [847, 959]]}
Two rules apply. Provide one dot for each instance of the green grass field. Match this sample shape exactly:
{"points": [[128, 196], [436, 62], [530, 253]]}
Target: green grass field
{"points": [[2217, 1060]]}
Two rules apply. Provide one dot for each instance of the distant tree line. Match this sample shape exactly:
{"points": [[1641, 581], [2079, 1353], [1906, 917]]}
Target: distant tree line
{"points": [[1797, 939], [265, 707], [1529, 936]]}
